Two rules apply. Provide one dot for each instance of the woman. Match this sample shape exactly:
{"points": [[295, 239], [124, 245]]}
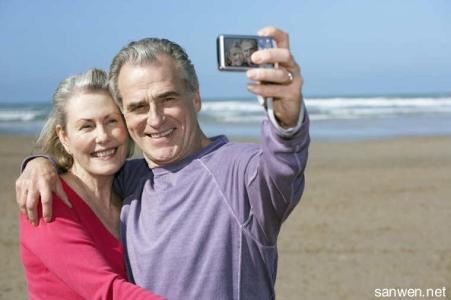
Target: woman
{"points": [[235, 56], [78, 255]]}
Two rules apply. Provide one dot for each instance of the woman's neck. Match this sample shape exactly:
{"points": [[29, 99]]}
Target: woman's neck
{"points": [[94, 189]]}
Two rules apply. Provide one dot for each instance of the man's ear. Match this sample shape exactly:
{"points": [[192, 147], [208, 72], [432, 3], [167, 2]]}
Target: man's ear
{"points": [[197, 102], [62, 136]]}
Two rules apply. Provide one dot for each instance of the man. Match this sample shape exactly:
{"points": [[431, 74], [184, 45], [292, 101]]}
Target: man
{"points": [[248, 47], [201, 216]]}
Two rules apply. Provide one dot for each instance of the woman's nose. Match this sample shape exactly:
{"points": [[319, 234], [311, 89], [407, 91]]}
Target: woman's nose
{"points": [[102, 134]]}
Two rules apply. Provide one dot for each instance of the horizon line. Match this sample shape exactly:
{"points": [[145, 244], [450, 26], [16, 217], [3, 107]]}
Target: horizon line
{"points": [[312, 96]]}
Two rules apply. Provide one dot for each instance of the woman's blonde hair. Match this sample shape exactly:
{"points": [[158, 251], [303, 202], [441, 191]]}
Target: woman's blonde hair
{"points": [[92, 81]]}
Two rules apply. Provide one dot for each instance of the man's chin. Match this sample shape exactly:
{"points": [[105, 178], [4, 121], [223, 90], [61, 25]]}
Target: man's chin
{"points": [[160, 159]]}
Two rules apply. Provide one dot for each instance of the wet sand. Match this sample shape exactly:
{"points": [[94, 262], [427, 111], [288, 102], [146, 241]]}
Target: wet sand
{"points": [[375, 214]]}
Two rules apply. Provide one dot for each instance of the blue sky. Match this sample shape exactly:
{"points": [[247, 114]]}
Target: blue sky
{"points": [[360, 47]]}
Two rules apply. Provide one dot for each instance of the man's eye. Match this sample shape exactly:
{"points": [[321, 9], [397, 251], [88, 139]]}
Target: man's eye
{"points": [[140, 108], [169, 99]]}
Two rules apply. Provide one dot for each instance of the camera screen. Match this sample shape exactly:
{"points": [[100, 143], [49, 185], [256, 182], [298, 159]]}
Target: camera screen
{"points": [[235, 51], [238, 51]]}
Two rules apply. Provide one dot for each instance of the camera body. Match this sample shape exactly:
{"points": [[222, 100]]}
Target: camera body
{"points": [[234, 51]]}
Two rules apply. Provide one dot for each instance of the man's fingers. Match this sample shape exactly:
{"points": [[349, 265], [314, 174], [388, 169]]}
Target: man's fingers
{"points": [[61, 193], [278, 35], [38, 180], [283, 57], [281, 76], [283, 83], [46, 201], [273, 90], [21, 197], [31, 206], [275, 83]]}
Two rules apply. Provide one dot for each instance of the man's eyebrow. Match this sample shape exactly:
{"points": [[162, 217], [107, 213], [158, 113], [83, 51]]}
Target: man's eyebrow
{"points": [[167, 94], [133, 105], [136, 104]]}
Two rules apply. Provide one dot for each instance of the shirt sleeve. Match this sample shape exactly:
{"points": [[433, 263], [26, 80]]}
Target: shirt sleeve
{"points": [[275, 179], [67, 250], [284, 132]]}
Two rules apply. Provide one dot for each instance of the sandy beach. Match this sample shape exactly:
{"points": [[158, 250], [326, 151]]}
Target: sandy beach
{"points": [[375, 214]]}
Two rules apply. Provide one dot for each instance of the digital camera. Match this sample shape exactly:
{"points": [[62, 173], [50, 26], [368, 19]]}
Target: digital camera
{"points": [[235, 51]]}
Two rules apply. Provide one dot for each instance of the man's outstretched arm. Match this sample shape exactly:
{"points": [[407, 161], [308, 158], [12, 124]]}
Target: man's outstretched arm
{"points": [[276, 176]]}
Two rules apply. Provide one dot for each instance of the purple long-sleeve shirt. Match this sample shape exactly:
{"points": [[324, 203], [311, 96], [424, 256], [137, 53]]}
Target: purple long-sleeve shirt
{"points": [[206, 227]]}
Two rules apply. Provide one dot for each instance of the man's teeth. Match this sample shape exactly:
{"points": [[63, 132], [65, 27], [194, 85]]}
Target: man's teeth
{"points": [[162, 134], [104, 153]]}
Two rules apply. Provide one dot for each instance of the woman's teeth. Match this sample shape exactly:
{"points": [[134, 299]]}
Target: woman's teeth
{"points": [[104, 153]]}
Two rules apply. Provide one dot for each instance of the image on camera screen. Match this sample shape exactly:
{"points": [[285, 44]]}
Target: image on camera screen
{"points": [[238, 51]]}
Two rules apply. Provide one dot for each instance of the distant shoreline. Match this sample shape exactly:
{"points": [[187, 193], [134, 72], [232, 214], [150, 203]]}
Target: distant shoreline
{"points": [[336, 118], [306, 96]]}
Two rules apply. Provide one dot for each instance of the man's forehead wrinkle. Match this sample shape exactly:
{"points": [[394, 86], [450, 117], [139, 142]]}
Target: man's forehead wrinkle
{"points": [[151, 92], [164, 92], [158, 80]]}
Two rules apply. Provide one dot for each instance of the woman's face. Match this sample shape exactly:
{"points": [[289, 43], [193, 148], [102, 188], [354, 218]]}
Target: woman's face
{"points": [[95, 134], [236, 56]]}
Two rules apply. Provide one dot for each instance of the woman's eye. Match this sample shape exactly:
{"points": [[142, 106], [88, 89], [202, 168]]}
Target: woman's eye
{"points": [[86, 126]]}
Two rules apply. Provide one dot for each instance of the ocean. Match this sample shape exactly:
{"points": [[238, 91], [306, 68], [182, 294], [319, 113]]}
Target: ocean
{"points": [[332, 118]]}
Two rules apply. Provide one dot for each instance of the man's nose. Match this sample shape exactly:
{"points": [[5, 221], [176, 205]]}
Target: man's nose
{"points": [[155, 116]]}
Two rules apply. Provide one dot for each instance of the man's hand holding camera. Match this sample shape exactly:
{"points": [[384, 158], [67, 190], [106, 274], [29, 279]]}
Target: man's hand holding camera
{"points": [[283, 83]]}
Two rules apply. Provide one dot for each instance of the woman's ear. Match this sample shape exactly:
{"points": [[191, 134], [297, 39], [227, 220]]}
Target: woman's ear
{"points": [[62, 136]]}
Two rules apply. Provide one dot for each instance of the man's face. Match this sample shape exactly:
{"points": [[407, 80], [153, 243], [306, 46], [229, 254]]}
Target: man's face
{"points": [[160, 111], [248, 48]]}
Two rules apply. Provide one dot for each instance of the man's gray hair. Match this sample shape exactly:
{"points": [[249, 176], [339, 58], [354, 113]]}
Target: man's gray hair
{"points": [[147, 51]]}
